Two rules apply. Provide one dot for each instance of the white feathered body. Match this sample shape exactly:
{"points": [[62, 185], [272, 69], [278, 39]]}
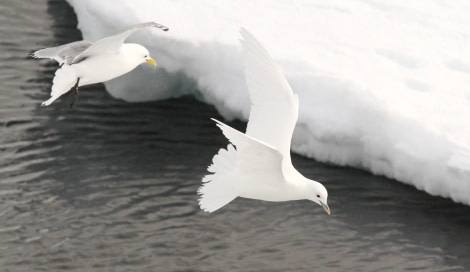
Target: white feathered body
{"points": [[257, 164], [90, 71], [97, 69], [251, 170]]}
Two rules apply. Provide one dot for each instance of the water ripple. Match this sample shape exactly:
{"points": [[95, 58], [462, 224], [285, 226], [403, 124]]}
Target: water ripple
{"points": [[111, 186]]}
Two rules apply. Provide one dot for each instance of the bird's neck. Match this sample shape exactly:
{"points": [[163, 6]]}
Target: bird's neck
{"points": [[300, 185]]}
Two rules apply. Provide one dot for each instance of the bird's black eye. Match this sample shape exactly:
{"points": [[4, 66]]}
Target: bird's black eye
{"points": [[318, 196]]}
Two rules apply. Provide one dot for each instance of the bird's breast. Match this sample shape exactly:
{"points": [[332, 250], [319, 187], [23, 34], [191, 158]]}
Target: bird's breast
{"points": [[102, 68]]}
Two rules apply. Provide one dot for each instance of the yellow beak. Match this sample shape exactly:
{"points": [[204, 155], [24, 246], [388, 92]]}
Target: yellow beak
{"points": [[151, 61]]}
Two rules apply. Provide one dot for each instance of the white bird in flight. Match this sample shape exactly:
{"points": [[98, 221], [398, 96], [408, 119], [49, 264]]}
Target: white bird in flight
{"points": [[257, 164], [84, 63]]}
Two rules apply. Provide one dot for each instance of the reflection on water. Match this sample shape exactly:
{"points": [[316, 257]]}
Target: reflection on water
{"points": [[111, 186]]}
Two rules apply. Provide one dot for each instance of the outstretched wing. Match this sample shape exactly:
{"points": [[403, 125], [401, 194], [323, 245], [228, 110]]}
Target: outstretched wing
{"points": [[62, 53], [275, 107], [112, 44]]}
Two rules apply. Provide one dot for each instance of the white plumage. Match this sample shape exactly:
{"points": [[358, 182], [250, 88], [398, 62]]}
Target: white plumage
{"points": [[257, 164], [83, 62]]}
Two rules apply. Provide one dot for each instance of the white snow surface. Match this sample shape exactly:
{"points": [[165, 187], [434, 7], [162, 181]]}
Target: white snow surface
{"points": [[383, 85]]}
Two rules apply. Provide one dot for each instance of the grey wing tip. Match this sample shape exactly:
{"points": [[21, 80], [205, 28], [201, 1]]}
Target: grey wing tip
{"points": [[164, 28], [157, 25], [246, 35], [39, 54], [34, 54], [244, 32]]}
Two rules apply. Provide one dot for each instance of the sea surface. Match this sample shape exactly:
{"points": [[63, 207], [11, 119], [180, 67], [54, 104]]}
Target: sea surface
{"points": [[111, 186]]}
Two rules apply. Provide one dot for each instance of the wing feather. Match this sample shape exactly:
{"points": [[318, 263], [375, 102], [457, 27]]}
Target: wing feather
{"points": [[274, 109], [62, 53], [112, 44], [257, 156]]}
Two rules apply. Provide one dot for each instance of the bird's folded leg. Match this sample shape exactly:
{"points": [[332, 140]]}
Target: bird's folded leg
{"points": [[75, 97]]}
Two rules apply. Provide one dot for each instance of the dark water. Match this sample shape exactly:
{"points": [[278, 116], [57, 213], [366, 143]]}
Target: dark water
{"points": [[110, 186]]}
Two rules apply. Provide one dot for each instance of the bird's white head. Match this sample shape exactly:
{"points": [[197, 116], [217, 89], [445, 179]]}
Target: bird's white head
{"points": [[318, 194], [141, 54]]}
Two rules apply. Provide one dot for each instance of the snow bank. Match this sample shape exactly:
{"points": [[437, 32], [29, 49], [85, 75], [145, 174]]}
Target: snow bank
{"points": [[383, 85]]}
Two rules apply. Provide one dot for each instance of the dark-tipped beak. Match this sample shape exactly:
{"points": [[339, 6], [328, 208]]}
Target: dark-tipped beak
{"points": [[326, 208]]}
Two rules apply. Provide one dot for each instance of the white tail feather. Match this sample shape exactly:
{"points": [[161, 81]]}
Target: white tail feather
{"points": [[64, 79], [219, 188]]}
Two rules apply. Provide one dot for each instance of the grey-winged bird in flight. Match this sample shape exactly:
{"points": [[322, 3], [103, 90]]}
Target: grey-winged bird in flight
{"points": [[83, 62]]}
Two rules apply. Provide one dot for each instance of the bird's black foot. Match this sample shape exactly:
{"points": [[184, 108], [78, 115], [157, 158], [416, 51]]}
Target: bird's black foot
{"points": [[75, 97]]}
